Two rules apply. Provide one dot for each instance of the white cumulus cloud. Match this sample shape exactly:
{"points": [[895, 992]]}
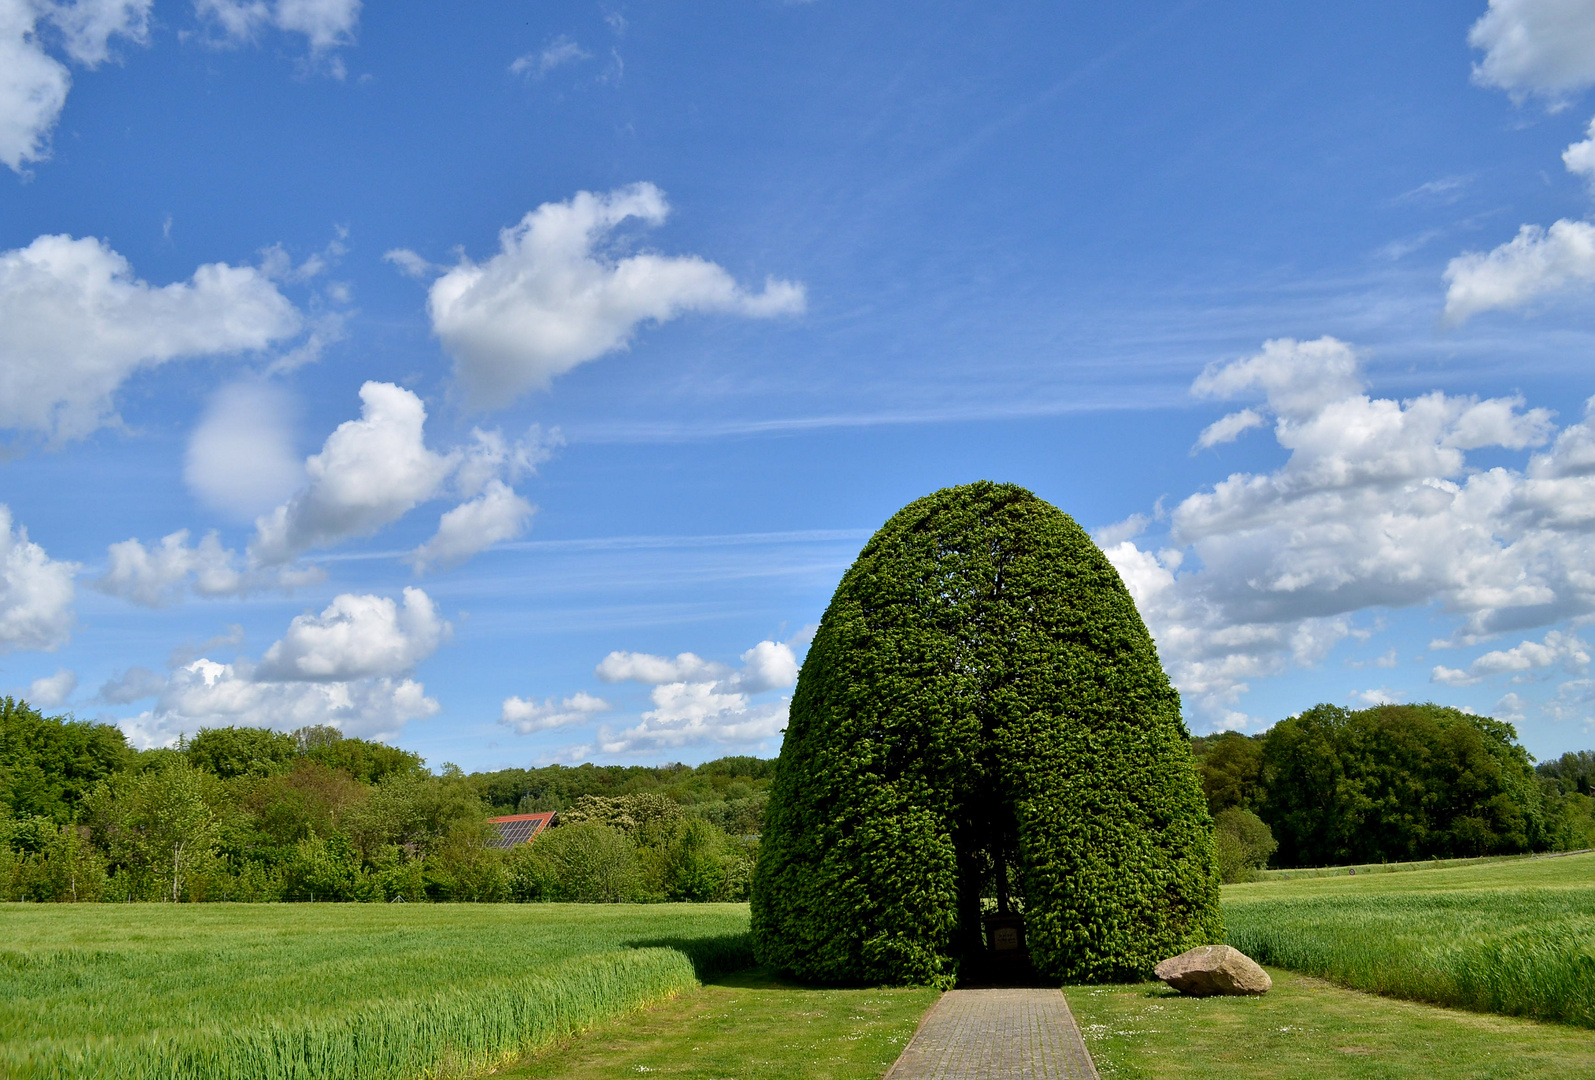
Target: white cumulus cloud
{"points": [[374, 470], [1579, 157], [1376, 506], [553, 297], [33, 87], [240, 458], [52, 690], [699, 701], [1544, 47], [527, 717], [34, 84], [159, 574], [769, 665], [496, 515], [36, 592], [622, 666], [78, 323], [1227, 429], [1536, 262], [209, 694], [348, 667], [695, 713], [369, 473], [1556, 649], [356, 637]]}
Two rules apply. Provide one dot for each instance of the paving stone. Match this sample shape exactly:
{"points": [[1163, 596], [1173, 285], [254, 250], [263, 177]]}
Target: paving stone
{"points": [[996, 1035]]}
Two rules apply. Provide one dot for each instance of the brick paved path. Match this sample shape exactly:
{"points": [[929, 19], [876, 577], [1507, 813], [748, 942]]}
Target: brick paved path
{"points": [[996, 1035]]}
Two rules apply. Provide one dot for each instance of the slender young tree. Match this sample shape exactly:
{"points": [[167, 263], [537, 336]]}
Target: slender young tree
{"points": [[982, 712]]}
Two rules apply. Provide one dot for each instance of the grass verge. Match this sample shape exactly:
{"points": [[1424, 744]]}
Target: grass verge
{"points": [[1306, 1027], [1512, 938], [303, 991], [749, 1026]]}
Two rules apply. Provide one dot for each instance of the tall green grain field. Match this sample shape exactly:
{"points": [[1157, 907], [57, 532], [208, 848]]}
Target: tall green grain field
{"points": [[1516, 938], [180, 992]]}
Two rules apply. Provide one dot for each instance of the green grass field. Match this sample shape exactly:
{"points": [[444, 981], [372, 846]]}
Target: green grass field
{"points": [[1307, 1028], [1516, 938], [749, 1026], [399, 992], [385, 992]]}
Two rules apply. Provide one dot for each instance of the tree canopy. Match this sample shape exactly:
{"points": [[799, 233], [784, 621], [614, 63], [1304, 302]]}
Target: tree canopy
{"points": [[48, 763], [982, 713], [1396, 782]]}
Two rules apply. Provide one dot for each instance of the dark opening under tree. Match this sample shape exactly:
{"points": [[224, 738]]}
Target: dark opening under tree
{"points": [[982, 713]]}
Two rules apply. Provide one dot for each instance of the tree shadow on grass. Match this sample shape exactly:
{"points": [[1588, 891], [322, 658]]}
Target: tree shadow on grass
{"points": [[711, 957]]}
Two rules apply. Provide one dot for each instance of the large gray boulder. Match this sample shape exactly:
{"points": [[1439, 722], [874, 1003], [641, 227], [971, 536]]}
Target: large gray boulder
{"points": [[1214, 969]]}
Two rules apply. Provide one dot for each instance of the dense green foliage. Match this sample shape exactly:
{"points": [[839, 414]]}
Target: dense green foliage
{"points": [[1572, 773], [742, 781], [982, 710], [1512, 937], [252, 814], [298, 991], [1397, 782], [48, 764], [1244, 842], [633, 847]]}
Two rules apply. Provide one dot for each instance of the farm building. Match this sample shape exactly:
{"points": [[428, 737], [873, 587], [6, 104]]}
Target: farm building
{"points": [[519, 828]]}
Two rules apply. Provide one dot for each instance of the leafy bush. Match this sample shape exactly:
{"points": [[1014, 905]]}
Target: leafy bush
{"points": [[586, 862], [242, 751], [1244, 844], [158, 827], [982, 696], [43, 861]]}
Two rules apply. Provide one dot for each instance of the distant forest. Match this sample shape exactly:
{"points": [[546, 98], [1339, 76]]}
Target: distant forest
{"points": [[255, 815], [1394, 783]]}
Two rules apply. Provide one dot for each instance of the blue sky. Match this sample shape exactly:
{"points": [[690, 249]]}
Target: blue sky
{"points": [[514, 382]]}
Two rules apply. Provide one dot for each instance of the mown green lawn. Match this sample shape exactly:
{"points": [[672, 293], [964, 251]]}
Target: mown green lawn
{"points": [[1306, 1028], [750, 1026]]}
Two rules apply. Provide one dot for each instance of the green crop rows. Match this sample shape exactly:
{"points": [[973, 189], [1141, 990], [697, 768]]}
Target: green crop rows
{"points": [[349, 991], [1516, 938]]}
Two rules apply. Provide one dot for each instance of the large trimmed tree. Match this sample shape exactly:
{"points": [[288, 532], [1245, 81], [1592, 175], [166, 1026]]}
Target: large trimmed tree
{"points": [[982, 713]]}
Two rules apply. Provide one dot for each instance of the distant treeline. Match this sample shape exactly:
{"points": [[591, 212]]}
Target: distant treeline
{"points": [[1389, 784], [252, 814]]}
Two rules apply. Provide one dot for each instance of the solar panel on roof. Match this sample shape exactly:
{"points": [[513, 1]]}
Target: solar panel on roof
{"points": [[515, 832], [518, 829]]}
